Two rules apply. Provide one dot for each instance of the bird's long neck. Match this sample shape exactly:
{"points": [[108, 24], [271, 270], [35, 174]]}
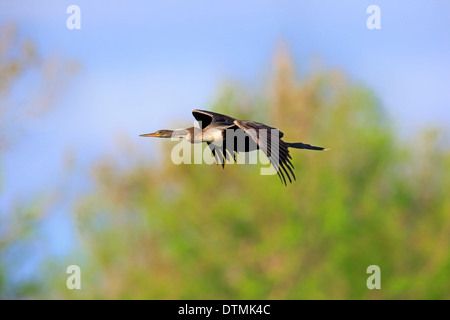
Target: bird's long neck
{"points": [[192, 134]]}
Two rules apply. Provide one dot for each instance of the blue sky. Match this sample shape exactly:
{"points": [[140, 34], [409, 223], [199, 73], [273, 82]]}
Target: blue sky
{"points": [[146, 62]]}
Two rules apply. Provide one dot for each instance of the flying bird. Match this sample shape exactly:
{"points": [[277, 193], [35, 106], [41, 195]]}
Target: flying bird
{"points": [[215, 128]]}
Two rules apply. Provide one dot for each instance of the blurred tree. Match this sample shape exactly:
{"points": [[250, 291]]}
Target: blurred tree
{"points": [[163, 231], [195, 231], [29, 87]]}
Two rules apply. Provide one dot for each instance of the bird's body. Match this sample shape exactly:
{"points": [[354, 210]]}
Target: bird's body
{"points": [[210, 135], [243, 136]]}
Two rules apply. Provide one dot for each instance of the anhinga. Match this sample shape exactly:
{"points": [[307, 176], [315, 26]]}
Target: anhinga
{"points": [[215, 128]]}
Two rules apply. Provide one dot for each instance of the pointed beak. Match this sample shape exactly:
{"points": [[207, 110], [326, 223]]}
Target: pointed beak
{"points": [[150, 135]]}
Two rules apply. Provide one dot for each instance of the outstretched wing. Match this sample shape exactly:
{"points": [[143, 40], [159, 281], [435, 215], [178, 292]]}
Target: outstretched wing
{"points": [[212, 120], [206, 118], [221, 153], [280, 160]]}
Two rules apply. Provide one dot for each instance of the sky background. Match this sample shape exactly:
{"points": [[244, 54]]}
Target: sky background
{"points": [[144, 63]]}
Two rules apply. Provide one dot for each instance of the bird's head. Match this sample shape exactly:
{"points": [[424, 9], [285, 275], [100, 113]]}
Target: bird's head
{"points": [[167, 134], [159, 134]]}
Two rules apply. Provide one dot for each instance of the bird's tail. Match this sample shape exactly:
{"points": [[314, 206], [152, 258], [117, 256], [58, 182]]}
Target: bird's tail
{"points": [[299, 145]]}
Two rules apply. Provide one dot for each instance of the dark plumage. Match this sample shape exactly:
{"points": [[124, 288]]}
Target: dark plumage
{"points": [[247, 136]]}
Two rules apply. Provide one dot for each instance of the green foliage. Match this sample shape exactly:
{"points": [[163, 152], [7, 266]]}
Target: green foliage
{"points": [[163, 231], [20, 220], [197, 231]]}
